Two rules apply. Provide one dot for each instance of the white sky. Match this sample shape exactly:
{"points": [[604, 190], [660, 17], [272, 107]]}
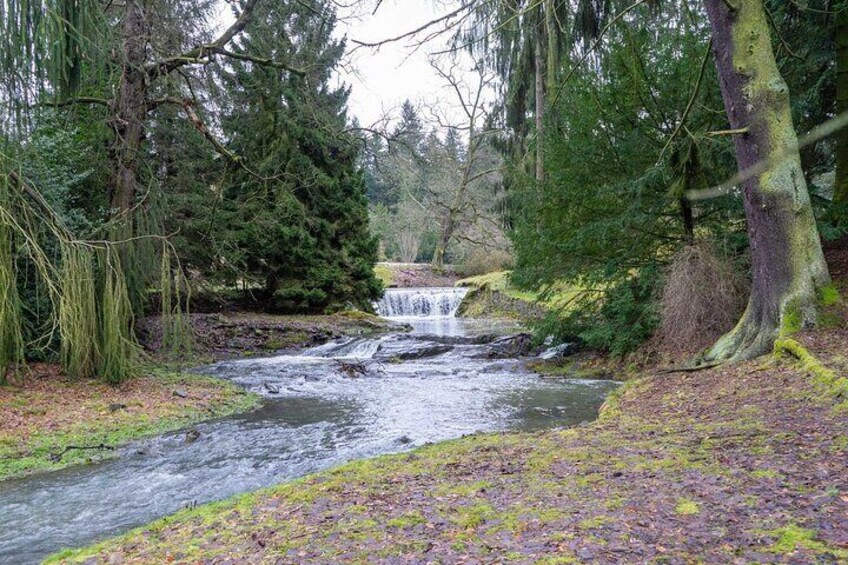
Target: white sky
{"points": [[383, 78]]}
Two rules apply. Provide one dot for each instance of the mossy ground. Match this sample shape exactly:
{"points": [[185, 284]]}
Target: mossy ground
{"points": [[45, 413], [739, 464]]}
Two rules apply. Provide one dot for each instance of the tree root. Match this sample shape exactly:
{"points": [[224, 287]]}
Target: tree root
{"points": [[825, 379], [691, 369]]}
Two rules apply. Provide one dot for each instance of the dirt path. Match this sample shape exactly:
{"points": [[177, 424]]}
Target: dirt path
{"points": [[736, 465]]}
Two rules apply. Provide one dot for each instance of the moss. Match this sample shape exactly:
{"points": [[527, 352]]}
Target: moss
{"points": [[407, 520], [470, 517], [791, 538], [765, 474], [595, 522], [687, 507], [827, 381], [385, 274], [828, 295]]}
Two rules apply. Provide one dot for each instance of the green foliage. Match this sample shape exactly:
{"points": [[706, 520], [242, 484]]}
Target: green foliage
{"points": [[77, 316], [296, 225], [618, 321]]}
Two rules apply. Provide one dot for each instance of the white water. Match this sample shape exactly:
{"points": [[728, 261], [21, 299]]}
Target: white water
{"points": [[418, 388], [420, 302]]}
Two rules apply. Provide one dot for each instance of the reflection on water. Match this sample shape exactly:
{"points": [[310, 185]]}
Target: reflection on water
{"points": [[315, 417]]}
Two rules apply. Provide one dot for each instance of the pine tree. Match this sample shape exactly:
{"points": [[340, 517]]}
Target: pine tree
{"points": [[298, 222]]}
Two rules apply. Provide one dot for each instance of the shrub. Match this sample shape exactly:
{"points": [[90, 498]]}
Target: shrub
{"points": [[703, 297]]}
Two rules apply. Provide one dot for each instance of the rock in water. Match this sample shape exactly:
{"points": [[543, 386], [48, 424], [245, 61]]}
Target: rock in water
{"points": [[509, 347]]}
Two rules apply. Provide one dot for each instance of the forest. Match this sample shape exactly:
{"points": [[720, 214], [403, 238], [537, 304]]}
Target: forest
{"points": [[584, 304]]}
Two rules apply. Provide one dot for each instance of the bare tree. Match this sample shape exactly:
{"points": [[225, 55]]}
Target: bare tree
{"points": [[471, 100]]}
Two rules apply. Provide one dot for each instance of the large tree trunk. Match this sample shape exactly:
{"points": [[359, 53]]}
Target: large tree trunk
{"points": [[539, 63], [130, 110], [840, 193], [788, 264]]}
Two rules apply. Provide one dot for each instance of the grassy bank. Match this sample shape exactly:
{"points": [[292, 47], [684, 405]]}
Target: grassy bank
{"points": [[48, 417], [492, 295], [742, 463]]}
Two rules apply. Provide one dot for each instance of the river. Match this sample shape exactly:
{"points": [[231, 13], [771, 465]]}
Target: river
{"points": [[344, 400]]}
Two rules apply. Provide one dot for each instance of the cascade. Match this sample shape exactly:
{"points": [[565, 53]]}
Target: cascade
{"points": [[420, 302]]}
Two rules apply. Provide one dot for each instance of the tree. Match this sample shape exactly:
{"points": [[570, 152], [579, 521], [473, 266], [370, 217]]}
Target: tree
{"points": [[788, 267], [840, 193], [298, 221], [471, 100]]}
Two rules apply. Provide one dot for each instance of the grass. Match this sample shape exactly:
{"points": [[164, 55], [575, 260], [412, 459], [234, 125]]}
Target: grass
{"points": [[576, 492], [50, 413], [557, 296]]}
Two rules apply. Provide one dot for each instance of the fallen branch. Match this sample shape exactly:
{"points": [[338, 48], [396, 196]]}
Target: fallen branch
{"points": [[351, 370], [56, 457], [693, 369]]}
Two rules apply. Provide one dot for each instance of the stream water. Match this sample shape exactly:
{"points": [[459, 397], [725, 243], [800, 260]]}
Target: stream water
{"points": [[439, 381]]}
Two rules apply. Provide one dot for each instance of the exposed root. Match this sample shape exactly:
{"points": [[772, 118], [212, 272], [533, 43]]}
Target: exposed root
{"points": [[691, 369], [825, 379]]}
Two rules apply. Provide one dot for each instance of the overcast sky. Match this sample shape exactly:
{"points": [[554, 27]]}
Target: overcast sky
{"points": [[383, 78]]}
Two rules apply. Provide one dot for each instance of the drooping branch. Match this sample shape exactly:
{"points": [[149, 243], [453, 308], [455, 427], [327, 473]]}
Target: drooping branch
{"points": [[187, 106]]}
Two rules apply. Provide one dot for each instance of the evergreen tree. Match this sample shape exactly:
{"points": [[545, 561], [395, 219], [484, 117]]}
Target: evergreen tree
{"points": [[297, 222]]}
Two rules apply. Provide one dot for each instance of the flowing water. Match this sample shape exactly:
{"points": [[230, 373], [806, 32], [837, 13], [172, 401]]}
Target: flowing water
{"points": [[347, 399]]}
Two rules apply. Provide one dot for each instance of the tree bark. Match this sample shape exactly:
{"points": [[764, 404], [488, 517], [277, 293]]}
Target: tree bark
{"points": [[129, 110], [552, 34], [539, 63], [840, 192], [788, 266], [449, 223]]}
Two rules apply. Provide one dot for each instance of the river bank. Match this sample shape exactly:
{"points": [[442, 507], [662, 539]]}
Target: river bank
{"points": [[743, 464], [51, 422]]}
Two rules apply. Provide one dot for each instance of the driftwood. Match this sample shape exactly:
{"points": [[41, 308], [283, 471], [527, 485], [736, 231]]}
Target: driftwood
{"points": [[56, 457]]}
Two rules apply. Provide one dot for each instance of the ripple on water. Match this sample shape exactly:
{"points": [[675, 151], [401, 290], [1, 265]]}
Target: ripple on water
{"points": [[315, 418]]}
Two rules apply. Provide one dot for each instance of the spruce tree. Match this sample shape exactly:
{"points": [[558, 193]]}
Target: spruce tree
{"points": [[297, 222]]}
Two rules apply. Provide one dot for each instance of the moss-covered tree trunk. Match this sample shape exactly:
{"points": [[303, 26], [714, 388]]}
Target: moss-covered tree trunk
{"points": [[129, 109], [840, 193], [788, 265]]}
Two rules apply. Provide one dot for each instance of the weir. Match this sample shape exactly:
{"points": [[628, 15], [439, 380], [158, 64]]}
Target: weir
{"points": [[420, 302]]}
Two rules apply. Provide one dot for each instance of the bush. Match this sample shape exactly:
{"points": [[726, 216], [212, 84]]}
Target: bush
{"points": [[480, 260], [703, 298], [618, 323]]}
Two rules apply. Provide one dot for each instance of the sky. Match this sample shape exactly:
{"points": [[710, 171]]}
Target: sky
{"points": [[383, 78]]}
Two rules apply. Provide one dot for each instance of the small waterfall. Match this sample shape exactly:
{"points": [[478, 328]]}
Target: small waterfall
{"points": [[420, 302]]}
